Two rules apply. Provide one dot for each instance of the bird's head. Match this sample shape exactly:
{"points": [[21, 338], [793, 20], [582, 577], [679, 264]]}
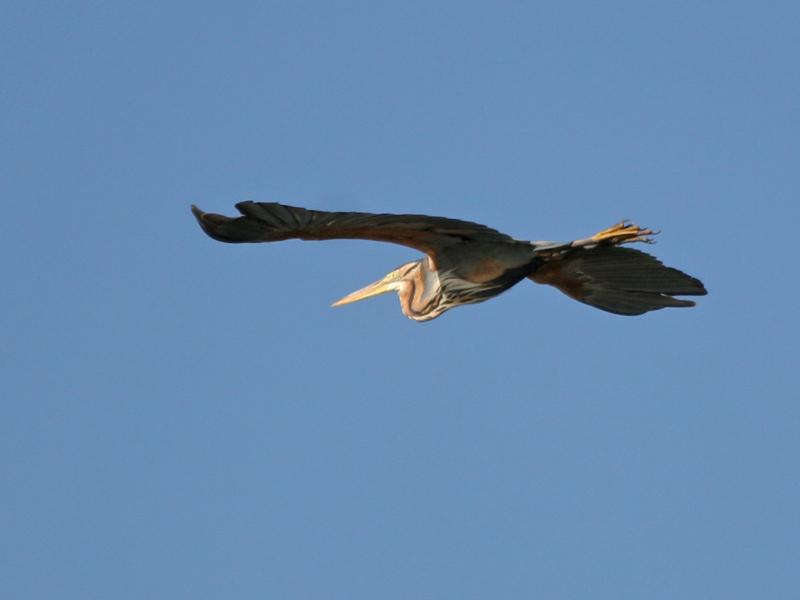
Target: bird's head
{"points": [[396, 281]]}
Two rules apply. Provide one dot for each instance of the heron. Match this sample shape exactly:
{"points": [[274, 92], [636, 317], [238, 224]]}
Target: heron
{"points": [[466, 263]]}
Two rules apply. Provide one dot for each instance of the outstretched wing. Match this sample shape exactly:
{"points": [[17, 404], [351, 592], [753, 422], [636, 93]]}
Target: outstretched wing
{"points": [[272, 222], [618, 280]]}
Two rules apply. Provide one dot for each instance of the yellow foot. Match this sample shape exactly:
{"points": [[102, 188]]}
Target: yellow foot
{"points": [[623, 232]]}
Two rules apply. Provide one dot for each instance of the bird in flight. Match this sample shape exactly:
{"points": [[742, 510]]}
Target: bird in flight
{"points": [[466, 263]]}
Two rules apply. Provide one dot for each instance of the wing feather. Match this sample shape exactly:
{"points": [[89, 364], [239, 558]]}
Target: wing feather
{"points": [[273, 222], [618, 280]]}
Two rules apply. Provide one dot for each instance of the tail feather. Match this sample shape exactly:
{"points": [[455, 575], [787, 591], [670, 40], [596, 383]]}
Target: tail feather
{"points": [[618, 280]]}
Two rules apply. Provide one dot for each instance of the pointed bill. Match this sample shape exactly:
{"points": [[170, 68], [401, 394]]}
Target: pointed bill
{"points": [[387, 284]]}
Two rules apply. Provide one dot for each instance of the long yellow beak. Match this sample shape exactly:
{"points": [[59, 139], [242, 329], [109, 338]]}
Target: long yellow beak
{"points": [[387, 284]]}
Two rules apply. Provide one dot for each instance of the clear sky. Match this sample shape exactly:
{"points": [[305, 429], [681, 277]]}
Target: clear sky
{"points": [[187, 419]]}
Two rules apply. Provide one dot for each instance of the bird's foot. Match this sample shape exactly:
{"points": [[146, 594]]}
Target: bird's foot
{"points": [[623, 232]]}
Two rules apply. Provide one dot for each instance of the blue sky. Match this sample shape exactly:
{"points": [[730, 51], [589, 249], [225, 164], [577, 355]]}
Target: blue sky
{"points": [[187, 419]]}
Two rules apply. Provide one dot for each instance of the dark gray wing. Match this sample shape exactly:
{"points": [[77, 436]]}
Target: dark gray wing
{"points": [[272, 222], [618, 280]]}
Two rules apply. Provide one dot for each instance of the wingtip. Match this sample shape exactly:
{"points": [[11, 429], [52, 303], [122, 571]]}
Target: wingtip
{"points": [[700, 288], [206, 221]]}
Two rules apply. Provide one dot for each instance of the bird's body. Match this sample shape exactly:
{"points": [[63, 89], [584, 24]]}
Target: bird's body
{"points": [[468, 263], [426, 292]]}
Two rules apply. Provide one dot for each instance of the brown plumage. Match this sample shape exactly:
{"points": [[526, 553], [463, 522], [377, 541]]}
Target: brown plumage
{"points": [[468, 263]]}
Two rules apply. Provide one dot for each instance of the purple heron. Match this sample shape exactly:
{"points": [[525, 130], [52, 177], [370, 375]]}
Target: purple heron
{"points": [[466, 263]]}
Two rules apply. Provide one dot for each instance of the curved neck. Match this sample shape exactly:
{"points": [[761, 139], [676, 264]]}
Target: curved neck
{"points": [[420, 293]]}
